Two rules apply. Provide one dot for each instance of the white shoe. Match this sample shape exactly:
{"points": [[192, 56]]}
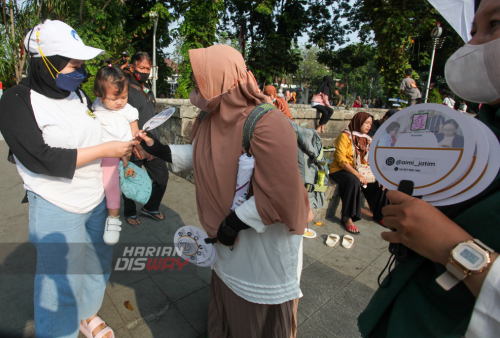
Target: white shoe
{"points": [[112, 230]]}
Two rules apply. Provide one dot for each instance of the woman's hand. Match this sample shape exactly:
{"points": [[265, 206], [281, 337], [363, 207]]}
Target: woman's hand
{"points": [[362, 179], [117, 149], [421, 227], [141, 135]]}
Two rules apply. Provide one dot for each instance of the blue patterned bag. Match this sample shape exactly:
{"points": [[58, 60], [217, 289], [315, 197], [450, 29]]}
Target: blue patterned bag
{"points": [[136, 188]]}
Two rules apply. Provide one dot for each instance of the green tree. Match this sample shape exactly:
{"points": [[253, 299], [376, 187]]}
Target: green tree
{"points": [[198, 30]]}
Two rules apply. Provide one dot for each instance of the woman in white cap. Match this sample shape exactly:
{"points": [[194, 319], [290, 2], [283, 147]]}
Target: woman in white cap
{"points": [[56, 140]]}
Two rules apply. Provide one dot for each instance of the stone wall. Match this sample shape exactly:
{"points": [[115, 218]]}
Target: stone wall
{"points": [[177, 129]]}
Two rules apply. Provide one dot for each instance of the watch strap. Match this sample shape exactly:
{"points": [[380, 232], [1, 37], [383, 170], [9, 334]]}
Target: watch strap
{"points": [[447, 280], [483, 246]]}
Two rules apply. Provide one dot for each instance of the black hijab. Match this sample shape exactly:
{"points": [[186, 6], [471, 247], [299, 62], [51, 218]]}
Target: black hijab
{"points": [[326, 86], [40, 80]]}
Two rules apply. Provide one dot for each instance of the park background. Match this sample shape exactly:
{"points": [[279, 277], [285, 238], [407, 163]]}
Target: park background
{"points": [[365, 45]]}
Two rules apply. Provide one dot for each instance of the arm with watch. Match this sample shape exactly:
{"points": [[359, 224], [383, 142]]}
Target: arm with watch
{"points": [[427, 231]]}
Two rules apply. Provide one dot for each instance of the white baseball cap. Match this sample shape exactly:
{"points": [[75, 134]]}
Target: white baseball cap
{"points": [[57, 38]]}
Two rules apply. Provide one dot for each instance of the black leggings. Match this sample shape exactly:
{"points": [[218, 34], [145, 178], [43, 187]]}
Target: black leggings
{"points": [[351, 196], [326, 113]]}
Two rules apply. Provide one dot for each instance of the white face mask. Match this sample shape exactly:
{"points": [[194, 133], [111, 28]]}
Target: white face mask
{"points": [[473, 72]]}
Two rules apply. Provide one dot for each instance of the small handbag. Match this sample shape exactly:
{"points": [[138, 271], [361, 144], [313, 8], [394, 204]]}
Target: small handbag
{"points": [[363, 169]]}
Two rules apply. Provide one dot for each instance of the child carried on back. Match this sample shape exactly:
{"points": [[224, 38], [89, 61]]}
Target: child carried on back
{"points": [[119, 122]]}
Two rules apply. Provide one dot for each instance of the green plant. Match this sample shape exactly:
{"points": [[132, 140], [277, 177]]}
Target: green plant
{"points": [[434, 96]]}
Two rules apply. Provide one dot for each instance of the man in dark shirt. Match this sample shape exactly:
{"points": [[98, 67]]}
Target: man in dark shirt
{"points": [[142, 98]]}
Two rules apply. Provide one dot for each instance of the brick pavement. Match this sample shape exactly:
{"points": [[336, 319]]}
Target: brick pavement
{"points": [[337, 283]]}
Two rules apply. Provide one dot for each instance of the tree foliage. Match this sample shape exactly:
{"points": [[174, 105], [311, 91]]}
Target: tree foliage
{"points": [[112, 25], [198, 30]]}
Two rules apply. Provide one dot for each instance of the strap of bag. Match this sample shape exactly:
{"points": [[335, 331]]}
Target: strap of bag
{"points": [[354, 153], [140, 90], [251, 121], [202, 115]]}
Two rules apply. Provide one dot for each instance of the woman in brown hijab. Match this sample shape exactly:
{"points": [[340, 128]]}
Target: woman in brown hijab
{"points": [[278, 101], [349, 180], [255, 285]]}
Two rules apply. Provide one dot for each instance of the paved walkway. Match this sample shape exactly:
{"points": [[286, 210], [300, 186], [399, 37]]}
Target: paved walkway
{"points": [[337, 283]]}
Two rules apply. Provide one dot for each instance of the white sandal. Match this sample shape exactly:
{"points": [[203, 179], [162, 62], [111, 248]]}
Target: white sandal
{"points": [[88, 328], [332, 240], [347, 241]]}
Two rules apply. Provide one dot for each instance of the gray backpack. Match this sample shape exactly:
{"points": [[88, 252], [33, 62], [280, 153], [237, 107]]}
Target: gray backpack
{"points": [[310, 149]]}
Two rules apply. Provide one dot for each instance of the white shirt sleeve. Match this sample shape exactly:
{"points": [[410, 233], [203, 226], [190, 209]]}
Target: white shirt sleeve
{"points": [[130, 113], [182, 157], [248, 214], [485, 321]]}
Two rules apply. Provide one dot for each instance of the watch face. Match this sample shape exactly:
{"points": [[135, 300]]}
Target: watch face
{"points": [[470, 256]]}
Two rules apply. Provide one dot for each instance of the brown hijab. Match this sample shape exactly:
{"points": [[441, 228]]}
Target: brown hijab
{"points": [[361, 141], [280, 102], [279, 192]]}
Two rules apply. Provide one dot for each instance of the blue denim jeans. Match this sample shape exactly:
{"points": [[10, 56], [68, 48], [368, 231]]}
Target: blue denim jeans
{"points": [[73, 266]]}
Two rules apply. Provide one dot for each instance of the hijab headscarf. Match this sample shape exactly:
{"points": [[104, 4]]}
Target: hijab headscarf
{"points": [[279, 102], [40, 80], [361, 141], [279, 192], [326, 86]]}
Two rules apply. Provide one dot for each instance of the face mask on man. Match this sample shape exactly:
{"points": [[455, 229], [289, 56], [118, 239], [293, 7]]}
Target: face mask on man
{"points": [[71, 81], [473, 72], [124, 61], [141, 77], [201, 103]]}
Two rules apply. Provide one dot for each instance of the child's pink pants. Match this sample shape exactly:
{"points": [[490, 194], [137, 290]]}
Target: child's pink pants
{"points": [[111, 181]]}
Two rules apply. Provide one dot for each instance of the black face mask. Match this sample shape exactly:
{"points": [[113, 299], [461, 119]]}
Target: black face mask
{"points": [[141, 77], [124, 61]]}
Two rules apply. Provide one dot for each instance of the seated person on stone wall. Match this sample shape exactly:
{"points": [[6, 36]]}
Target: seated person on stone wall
{"points": [[321, 101], [349, 180], [278, 101], [377, 123]]}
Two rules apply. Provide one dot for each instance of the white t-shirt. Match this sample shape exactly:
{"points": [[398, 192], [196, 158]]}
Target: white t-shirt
{"points": [[67, 123], [115, 124], [449, 102], [266, 265]]}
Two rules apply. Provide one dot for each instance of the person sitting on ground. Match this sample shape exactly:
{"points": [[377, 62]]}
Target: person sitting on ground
{"points": [[349, 180], [377, 123], [278, 101], [357, 103], [321, 101], [389, 139], [448, 138]]}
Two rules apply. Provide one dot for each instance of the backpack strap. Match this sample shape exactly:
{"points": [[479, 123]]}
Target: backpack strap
{"points": [[140, 90], [202, 115], [251, 121]]}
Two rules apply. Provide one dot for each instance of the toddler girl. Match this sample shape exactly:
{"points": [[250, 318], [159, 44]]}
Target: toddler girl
{"points": [[119, 123]]}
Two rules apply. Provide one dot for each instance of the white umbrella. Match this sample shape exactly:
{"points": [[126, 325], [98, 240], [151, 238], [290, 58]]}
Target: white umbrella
{"points": [[458, 13]]}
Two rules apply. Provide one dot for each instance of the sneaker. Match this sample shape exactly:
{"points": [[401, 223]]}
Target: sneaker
{"points": [[112, 230]]}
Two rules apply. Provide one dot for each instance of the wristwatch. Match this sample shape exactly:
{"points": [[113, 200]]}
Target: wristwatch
{"points": [[467, 258]]}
